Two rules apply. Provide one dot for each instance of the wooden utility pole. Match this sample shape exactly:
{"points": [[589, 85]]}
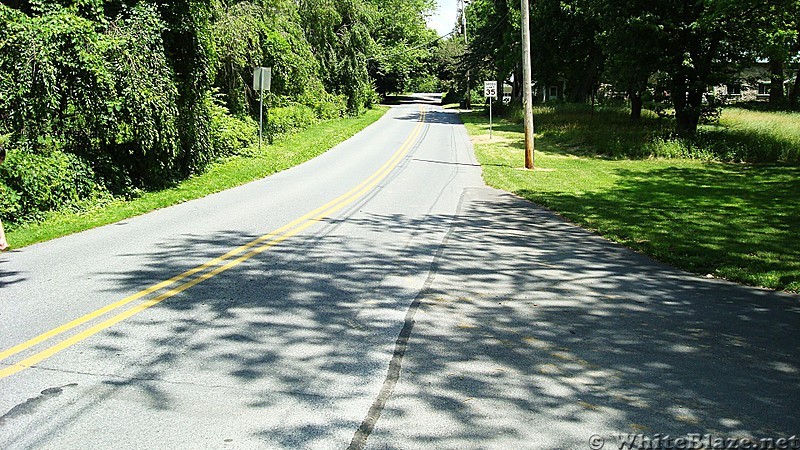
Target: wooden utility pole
{"points": [[464, 3], [527, 94]]}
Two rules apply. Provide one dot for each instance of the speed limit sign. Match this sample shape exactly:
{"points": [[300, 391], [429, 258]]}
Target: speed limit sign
{"points": [[490, 89], [490, 92]]}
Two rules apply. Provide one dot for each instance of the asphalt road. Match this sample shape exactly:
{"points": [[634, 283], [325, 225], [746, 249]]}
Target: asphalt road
{"points": [[381, 296]]}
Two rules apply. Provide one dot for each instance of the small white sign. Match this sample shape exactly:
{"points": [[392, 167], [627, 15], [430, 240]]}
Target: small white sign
{"points": [[490, 89], [262, 77]]}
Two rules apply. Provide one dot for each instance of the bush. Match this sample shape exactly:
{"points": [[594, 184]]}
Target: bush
{"points": [[9, 202], [740, 136], [450, 96], [33, 183], [427, 83], [327, 106], [231, 135], [290, 118]]}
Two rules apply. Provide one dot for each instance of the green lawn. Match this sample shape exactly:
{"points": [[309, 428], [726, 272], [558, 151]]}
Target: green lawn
{"points": [[735, 221], [285, 153]]}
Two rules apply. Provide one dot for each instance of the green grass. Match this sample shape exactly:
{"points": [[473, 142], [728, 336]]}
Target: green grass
{"points": [[784, 125], [735, 221], [754, 136], [283, 154], [740, 135]]}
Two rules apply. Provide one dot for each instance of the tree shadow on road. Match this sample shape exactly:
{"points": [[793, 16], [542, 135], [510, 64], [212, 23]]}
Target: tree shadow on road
{"points": [[538, 332], [533, 333], [9, 277]]}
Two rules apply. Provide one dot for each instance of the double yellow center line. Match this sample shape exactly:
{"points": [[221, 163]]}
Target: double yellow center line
{"points": [[220, 264]]}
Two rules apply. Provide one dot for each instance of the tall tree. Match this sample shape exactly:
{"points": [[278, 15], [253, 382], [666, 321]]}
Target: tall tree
{"points": [[189, 47], [250, 34], [446, 64], [693, 44], [631, 47], [339, 34], [564, 40], [494, 45], [566, 49], [780, 42], [403, 43]]}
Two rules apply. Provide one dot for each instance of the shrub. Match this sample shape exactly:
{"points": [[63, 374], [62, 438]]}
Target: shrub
{"points": [[9, 203], [290, 118], [740, 136], [33, 183], [427, 83], [326, 106], [231, 135]]}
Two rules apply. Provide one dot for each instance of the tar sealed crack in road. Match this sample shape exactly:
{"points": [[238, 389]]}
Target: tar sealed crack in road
{"points": [[361, 435], [30, 405]]}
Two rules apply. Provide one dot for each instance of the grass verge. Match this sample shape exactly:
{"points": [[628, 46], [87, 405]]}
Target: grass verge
{"points": [[734, 221], [739, 136], [283, 154]]}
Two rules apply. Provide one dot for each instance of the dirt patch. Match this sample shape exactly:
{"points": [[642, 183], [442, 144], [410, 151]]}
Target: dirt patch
{"points": [[482, 138]]}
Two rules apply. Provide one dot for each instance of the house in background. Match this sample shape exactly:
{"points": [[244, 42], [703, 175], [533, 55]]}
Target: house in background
{"points": [[754, 84], [550, 92]]}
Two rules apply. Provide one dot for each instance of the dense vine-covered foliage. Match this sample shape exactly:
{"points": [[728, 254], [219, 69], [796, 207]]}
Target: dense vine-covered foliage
{"points": [[102, 98]]}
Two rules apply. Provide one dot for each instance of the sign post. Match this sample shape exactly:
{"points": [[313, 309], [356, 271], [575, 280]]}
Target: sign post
{"points": [[262, 80], [490, 92]]}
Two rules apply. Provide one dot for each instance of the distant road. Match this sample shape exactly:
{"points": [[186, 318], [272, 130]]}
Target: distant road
{"points": [[380, 296]]}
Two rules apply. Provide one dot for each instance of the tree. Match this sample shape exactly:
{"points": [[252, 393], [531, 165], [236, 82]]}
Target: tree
{"points": [[779, 40], [98, 88], [564, 36], [339, 34], [252, 34], [446, 65], [630, 44], [693, 45], [189, 47], [494, 46], [564, 39], [403, 43]]}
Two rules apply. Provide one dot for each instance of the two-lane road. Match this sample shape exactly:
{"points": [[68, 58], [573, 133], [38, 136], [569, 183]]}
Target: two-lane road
{"points": [[381, 296], [261, 316]]}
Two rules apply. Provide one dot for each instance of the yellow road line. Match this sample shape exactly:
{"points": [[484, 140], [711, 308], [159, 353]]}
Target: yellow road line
{"points": [[271, 239]]}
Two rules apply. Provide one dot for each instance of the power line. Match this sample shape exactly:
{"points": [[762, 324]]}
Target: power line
{"points": [[372, 58], [489, 33], [426, 44], [434, 41]]}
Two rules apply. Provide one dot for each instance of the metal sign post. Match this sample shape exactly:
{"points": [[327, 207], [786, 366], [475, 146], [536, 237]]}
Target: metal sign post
{"points": [[260, 115], [490, 92], [262, 80]]}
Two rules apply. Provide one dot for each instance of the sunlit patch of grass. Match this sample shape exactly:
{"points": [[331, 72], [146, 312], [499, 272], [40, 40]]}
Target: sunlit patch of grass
{"points": [[739, 136], [753, 136]]}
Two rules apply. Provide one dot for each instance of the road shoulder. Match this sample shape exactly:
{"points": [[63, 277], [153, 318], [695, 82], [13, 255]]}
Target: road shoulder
{"points": [[538, 334]]}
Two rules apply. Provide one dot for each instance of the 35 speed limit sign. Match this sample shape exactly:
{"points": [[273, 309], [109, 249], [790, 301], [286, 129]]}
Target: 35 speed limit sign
{"points": [[490, 89]]}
